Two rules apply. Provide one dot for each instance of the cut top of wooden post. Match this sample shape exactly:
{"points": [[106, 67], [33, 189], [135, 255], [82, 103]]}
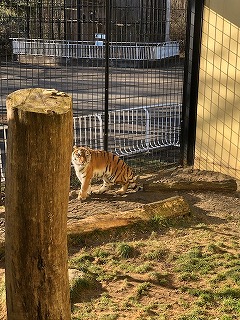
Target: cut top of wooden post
{"points": [[39, 100]]}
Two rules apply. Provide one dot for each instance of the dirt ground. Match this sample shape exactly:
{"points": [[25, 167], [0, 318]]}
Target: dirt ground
{"points": [[196, 294], [111, 202], [128, 293]]}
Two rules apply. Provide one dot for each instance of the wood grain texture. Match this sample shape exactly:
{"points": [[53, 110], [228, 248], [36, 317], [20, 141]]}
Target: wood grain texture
{"points": [[37, 187]]}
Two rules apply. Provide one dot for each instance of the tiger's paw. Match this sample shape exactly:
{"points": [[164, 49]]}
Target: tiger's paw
{"points": [[120, 192], [102, 189], [99, 191], [81, 197]]}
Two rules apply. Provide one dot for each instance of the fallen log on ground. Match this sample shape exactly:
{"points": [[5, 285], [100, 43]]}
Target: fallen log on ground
{"points": [[185, 185], [170, 207]]}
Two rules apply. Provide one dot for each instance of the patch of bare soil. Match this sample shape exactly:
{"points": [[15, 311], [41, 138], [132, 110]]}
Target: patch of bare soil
{"points": [[111, 202]]}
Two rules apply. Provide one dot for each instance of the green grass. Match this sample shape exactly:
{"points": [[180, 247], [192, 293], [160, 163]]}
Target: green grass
{"points": [[205, 279], [162, 279], [195, 262], [157, 254], [143, 268], [142, 289], [124, 250]]}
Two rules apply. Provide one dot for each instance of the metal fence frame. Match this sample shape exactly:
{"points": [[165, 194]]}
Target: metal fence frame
{"points": [[143, 128], [94, 50], [191, 80]]}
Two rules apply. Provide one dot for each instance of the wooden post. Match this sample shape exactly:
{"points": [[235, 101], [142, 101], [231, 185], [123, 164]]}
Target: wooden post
{"points": [[37, 189]]}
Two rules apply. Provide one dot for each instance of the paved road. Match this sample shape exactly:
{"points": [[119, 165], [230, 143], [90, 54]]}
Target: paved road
{"points": [[128, 87]]}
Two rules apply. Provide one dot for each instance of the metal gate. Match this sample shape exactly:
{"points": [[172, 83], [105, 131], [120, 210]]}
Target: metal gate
{"points": [[121, 60]]}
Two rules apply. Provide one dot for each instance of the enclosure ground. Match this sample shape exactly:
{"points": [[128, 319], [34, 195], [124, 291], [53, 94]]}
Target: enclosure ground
{"points": [[183, 268]]}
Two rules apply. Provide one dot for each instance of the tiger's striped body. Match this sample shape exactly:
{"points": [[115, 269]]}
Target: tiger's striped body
{"points": [[113, 170]]}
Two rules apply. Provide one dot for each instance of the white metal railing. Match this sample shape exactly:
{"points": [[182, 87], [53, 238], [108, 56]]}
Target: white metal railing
{"points": [[3, 150], [131, 131], [90, 49], [88, 130]]}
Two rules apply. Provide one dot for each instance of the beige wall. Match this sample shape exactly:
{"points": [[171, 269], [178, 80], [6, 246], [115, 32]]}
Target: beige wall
{"points": [[218, 118]]}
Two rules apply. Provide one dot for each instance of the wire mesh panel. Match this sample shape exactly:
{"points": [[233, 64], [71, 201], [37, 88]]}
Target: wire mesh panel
{"points": [[217, 136], [121, 60], [145, 89]]}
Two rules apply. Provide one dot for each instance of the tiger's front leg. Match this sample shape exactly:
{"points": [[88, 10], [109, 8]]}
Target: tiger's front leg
{"points": [[85, 189]]}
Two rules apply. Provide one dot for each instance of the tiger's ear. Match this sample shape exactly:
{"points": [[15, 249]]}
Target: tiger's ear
{"points": [[74, 147]]}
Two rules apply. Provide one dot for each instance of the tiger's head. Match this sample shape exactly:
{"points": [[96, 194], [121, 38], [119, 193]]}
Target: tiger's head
{"points": [[81, 156]]}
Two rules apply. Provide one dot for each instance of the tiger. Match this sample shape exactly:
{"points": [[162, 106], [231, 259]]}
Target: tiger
{"points": [[89, 163]]}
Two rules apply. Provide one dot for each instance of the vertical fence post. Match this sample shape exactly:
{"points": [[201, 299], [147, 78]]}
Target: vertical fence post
{"points": [[107, 57], [191, 80], [37, 188], [168, 20]]}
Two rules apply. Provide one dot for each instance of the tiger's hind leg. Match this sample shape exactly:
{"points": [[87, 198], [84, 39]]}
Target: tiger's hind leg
{"points": [[123, 189], [105, 186]]}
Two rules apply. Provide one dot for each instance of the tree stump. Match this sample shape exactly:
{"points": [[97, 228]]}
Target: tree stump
{"points": [[37, 187]]}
